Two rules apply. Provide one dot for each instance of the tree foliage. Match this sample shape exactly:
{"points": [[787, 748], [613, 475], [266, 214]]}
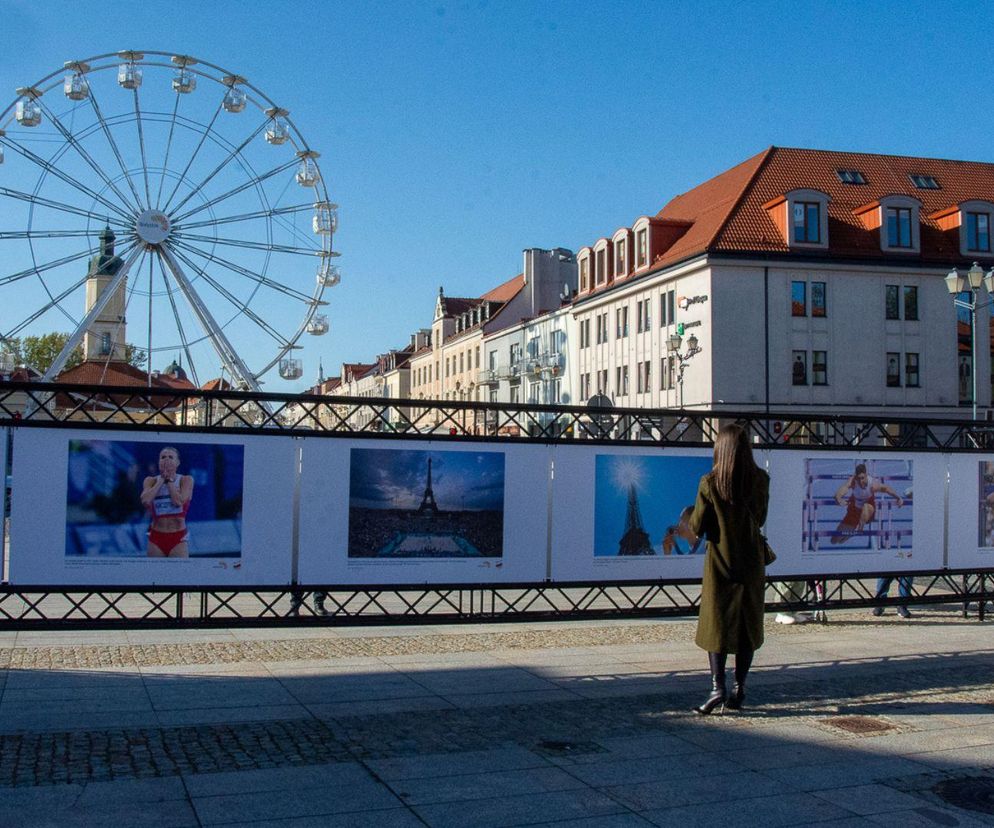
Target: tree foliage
{"points": [[40, 352]]}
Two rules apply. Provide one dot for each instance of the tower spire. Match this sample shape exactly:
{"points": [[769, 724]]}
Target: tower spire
{"points": [[635, 541], [428, 505]]}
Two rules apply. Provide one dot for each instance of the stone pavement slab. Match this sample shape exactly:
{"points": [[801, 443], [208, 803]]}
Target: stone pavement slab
{"points": [[580, 724]]}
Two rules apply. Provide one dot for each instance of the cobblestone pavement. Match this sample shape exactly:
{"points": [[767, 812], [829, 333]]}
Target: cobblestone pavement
{"points": [[586, 722]]}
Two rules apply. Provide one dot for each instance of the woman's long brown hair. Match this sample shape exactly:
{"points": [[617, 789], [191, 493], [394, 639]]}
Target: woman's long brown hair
{"points": [[734, 471]]}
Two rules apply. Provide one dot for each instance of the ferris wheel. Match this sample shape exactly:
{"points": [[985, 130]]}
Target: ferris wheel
{"points": [[159, 205]]}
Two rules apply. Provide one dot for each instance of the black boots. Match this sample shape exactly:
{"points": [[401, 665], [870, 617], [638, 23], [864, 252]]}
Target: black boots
{"points": [[718, 692], [743, 661]]}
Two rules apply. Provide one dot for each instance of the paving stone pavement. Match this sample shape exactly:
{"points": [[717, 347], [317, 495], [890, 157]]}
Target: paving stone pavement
{"points": [[580, 724]]}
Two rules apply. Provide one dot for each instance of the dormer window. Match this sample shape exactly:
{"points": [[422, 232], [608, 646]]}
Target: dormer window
{"points": [[978, 232], [801, 216], [602, 261], [807, 222], [583, 259], [619, 260], [899, 227], [642, 247], [896, 217]]}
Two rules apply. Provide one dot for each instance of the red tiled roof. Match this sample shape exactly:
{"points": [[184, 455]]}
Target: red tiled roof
{"points": [[93, 372], [729, 212], [218, 384], [750, 227], [455, 305], [506, 291]]}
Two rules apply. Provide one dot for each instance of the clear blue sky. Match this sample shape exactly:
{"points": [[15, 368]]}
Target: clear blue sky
{"points": [[456, 134]]}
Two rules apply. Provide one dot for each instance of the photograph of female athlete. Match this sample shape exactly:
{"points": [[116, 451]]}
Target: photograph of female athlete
{"points": [[167, 498]]}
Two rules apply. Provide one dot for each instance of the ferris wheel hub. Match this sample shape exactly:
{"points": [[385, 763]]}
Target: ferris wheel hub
{"points": [[153, 227]]}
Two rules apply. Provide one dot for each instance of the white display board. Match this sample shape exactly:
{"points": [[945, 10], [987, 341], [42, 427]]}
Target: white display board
{"points": [[397, 512], [78, 516], [619, 513], [971, 511], [4, 436], [855, 511]]}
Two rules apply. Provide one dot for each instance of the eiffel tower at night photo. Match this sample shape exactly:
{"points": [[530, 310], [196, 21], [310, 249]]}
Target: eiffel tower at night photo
{"points": [[421, 504]]}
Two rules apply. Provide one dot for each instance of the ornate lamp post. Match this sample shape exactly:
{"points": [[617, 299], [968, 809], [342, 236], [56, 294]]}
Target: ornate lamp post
{"points": [[956, 285], [674, 343]]}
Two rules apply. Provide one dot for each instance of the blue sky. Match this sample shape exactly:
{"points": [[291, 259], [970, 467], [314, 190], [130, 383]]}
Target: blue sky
{"points": [[454, 135], [664, 487]]}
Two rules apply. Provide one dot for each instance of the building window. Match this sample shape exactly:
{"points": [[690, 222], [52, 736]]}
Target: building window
{"points": [[584, 386], [105, 343], [515, 393], [911, 370], [850, 176], [621, 322], [515, 353], [642, 308], [662, 374], [604, 326], [647, 378], [671, 371], [807, 222], [924, 182], [893, 309], [534, 389], [602, 381], [893, 370], [462, 364], [819, 367], [600, 273], [667, 307], [619, 258], [555, 391], [584, 273], [642, 248], [493, 395], [533, 347], [799, 368], [624, 379], [978, 232], [476, 358], [910, 303], [798, 299], [819, 305], [899, 227]]}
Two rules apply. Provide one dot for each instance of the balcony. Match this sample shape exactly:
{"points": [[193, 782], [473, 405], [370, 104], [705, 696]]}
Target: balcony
{"points": [[489, 376]]}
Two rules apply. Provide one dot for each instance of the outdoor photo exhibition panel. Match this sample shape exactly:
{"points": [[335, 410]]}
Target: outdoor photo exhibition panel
{"points": [[971, 511], [4, 436], [93, 507], [851, 512], [620, 513], [391, 512]]}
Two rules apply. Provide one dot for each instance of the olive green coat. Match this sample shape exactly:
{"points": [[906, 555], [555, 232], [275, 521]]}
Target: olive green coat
{"points": [[734, 568]]}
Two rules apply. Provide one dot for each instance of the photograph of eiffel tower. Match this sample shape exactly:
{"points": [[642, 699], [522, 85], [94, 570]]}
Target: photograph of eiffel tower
{"points": [[641, 505], [426, 504]]}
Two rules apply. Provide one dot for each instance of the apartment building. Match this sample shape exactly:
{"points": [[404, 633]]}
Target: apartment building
{"points": [[805, 277]]}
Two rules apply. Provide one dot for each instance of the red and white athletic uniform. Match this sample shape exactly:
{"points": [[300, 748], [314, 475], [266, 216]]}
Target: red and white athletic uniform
{"points": [[859, 496], [162, 506]]}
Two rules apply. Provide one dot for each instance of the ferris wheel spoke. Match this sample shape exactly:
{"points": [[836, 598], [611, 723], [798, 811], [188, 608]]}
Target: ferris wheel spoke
{"points": [[233, 192], [169, 146], [179, 322], [229, 356], [31, 271], [76, 145], [72, 182], [113, 146], [59, 205], [252, 245], [243, 271], [280, 340], [275, 211], [196, 152], [45, 234], [91, 315], [230, 157], [141, 146]]}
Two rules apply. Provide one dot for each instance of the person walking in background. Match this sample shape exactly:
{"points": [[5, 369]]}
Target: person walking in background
{"points": [[903, 590], [731, 505]]}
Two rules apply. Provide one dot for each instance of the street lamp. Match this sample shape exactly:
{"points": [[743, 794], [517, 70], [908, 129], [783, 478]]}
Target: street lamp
{"points": [[956, 285], [674, 343]]}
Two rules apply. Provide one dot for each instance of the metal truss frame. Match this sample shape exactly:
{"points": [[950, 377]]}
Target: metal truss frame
{"points": [[49, 404], [26, 607]]}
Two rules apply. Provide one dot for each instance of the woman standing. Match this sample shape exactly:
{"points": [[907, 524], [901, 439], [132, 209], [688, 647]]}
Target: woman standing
{"points": [[167, 497], [731, 507]]}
